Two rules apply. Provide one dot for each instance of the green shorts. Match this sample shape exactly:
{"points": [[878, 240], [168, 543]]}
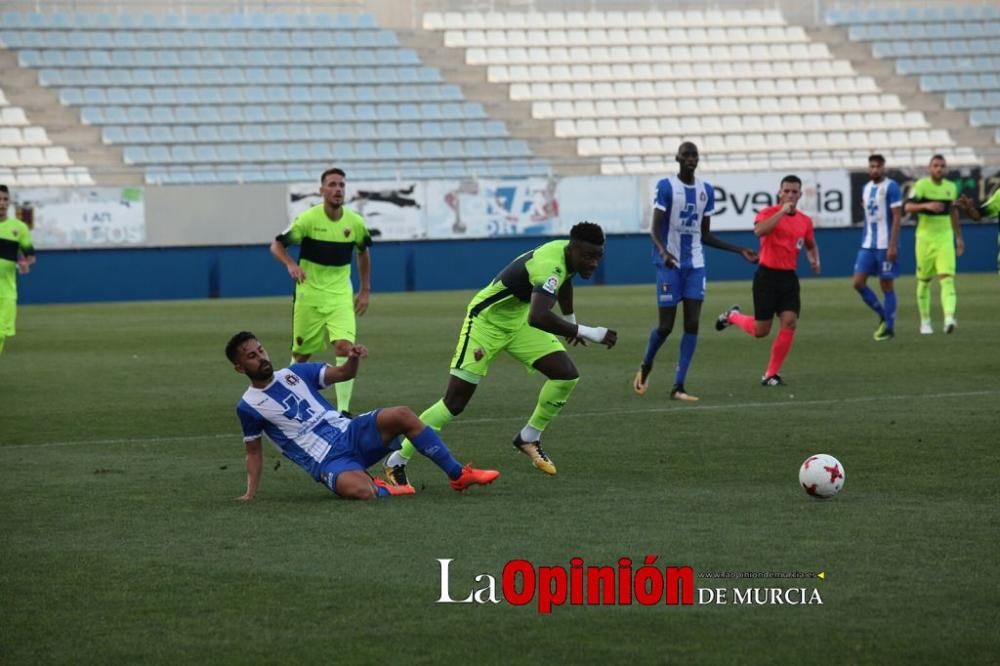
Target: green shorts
{"points": [[480, 342], [313, 325], [8, 314], [935, 256]]}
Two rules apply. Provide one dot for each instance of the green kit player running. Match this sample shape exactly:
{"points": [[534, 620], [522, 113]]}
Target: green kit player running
{"points": [[939, 241], [325, 304], [514, 314], [17, 254]]}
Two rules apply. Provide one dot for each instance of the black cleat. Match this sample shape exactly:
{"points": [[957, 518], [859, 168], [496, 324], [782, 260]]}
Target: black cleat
{"points": [[722, 321], [773, 380], [396, 475], [347, 415]]}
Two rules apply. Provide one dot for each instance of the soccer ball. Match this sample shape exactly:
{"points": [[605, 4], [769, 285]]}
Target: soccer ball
{"points": [[822, 475]]}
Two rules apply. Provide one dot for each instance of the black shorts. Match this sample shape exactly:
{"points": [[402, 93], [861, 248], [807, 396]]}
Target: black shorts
{"points": [[775, 291]]}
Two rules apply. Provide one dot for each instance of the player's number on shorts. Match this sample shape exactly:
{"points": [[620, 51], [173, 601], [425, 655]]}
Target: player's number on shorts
{"points": [[296, 408], [886, 266]]}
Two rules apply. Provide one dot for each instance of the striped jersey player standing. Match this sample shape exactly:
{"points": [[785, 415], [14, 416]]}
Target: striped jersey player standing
{"points": [[680, 229], [882, 201]]}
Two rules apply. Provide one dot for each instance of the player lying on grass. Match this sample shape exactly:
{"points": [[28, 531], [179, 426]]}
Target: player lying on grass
{"points": [[336, 451]]}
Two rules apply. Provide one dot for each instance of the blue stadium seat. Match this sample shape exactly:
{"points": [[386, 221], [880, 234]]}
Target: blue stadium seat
{"points": [[137, 134], [113, 134], [161, 134], [207, 134], [185, 134]]}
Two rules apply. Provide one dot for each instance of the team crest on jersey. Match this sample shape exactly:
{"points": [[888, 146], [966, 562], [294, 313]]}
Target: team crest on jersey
{"points": [[347, 233], [291, 379], [478, 353], [551, 284]]}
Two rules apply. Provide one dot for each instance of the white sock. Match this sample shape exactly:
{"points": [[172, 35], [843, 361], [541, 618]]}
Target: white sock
{"points": [[396, 459], [530, 434]]}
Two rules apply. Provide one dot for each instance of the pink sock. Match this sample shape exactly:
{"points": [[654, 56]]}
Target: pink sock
{"points": [[746, 322], [779, 350]]}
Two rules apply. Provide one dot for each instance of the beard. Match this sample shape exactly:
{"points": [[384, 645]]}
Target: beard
{"points": [[263, 372]]}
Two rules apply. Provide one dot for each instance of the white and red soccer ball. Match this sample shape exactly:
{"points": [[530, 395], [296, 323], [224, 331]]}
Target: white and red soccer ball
{"points": [[821, 476]]}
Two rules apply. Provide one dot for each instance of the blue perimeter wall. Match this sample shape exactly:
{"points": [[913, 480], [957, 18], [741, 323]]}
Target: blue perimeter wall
{"points": [[76, 276]]}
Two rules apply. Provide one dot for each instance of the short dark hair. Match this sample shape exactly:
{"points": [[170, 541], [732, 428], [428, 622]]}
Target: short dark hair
{"points": [[875, 157], [234, 344], [938, 157], [339, 172], [588, 232], [791, 178], [3, 188]]}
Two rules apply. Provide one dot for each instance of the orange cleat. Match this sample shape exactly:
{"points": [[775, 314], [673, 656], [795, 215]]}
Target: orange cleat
{"points": [[474, 477], [395, 490]]}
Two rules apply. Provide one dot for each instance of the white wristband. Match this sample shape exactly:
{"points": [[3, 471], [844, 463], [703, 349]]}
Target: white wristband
{"points": [[571, 317], [592, 333]]}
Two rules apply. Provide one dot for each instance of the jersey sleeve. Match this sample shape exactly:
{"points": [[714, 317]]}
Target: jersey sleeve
{"points": [[917, 192], [893, 195], [362, 237], [546, 275], [992, 206], [810, 230], [664, 196], [764, 214], [251, 422], [25, 243], [709, 199], [294, 234], [952, 191], [311, 373]]}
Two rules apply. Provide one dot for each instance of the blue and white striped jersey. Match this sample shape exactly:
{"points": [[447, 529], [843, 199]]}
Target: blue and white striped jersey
{"points": [[878, 200], [293, 414], [683, 207]]}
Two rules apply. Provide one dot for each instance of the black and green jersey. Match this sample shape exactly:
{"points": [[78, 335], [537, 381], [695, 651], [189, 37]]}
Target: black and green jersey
{"points": [[327, 248], [505, 301], [15, 238]]}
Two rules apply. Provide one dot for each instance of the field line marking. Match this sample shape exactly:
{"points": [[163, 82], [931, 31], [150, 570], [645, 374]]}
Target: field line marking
{"points": [[677, 409]]}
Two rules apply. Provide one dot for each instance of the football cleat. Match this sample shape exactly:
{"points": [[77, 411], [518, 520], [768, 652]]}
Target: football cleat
{"points": [[926, 328], [678, 393], [395, 474], [474, 477], [773, 380], [396, 490], [346, 414], [722, 322], [534, 451], [641, 381], [883, 332], [950, 325]]}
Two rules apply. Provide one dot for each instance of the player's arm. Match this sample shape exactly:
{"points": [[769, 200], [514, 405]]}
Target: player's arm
{"points": [[893, 250], [342, 373], [365, 282], [767, 225], [968, 206], [290, 236], [26, 260], [565, 298], [956, 227], [710, 239], [255, 465], [812, 253], [659, 217], [541, 316], [916, 204]]}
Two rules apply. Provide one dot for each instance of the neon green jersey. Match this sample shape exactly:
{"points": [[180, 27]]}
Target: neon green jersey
{"points": [[506, 300], [934, 224], [327, 248], [992, 206], [15, 237]]}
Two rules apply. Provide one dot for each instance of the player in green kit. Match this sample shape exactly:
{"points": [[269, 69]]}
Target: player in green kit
{"points": [[514, 314], [989, 209], [17, 254], [325, 304], [939, 241]]}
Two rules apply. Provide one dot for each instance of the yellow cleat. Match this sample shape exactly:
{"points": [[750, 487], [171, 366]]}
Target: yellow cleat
{"points": [[640, 383], [534, 451], [678, 393]]}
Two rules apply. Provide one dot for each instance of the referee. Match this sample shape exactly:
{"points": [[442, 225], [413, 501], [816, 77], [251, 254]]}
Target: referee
{"points": [[782, 231]]}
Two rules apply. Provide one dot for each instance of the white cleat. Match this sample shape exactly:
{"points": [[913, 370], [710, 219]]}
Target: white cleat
{"points": [[926, 328]]}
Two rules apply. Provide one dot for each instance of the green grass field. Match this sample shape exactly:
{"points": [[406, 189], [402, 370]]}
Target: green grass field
{"points": [[121, 457]]}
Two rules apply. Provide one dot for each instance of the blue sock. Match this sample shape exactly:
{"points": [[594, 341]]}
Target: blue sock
{"points": [[871, 300], [655, 342], [381, 492], [890, 310], [430, 445], [688, 342]]}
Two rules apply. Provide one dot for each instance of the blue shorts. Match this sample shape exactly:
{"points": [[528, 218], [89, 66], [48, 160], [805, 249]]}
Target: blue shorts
{"points": [[675, 284], [872, 262], [358, 448]]}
